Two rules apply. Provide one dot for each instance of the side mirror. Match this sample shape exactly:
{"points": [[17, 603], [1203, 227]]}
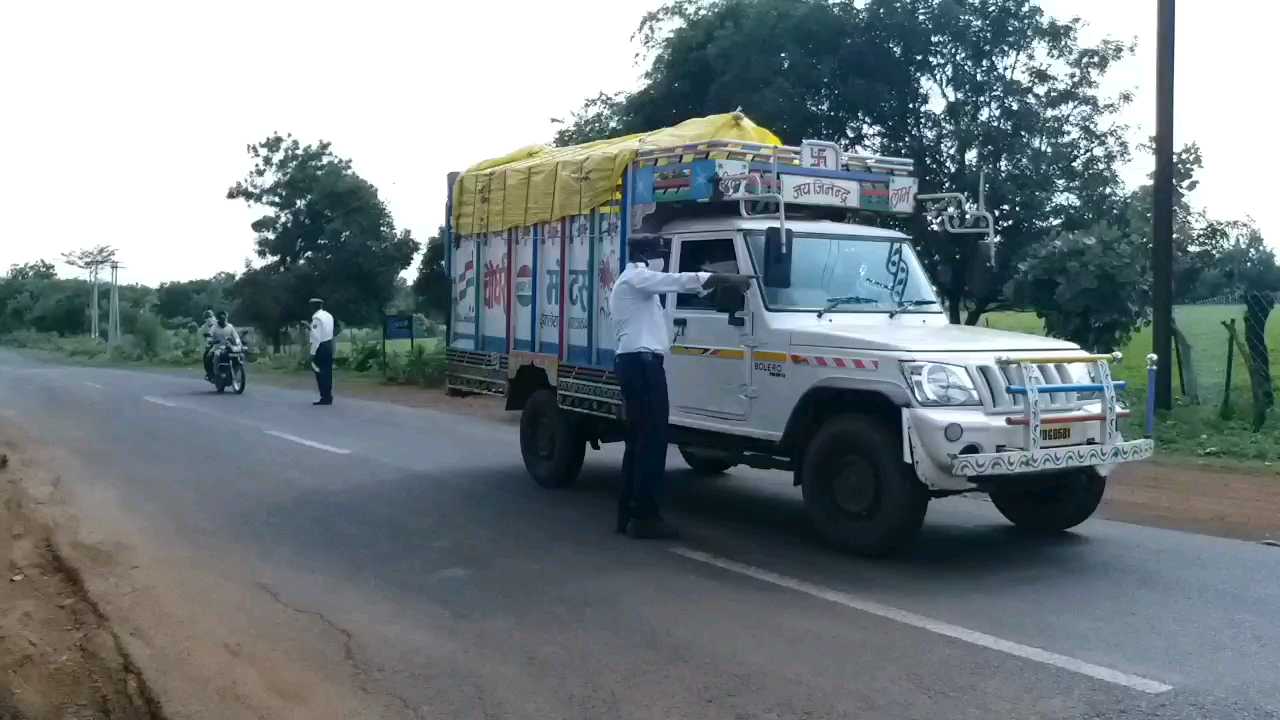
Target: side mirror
{"points": [[731, 300], [777, 257]]}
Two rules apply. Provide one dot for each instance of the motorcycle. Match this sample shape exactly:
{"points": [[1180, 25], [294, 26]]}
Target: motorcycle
{"points": [[228, 368]]}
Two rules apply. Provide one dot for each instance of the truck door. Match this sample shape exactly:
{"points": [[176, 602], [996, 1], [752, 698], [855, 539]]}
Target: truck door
{"points": [[708, 369]]}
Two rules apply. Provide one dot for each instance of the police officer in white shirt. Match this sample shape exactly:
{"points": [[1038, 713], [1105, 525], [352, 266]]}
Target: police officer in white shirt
{"points": [[322, 350], [644, 338]]}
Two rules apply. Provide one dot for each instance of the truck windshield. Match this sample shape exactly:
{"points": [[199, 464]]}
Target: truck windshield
{"points": [[882, 274]]}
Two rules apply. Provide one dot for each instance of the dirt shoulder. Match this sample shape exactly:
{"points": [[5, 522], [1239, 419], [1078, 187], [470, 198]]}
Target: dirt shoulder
{"points": [[1182, 496], [59, 656], [103, 599]]}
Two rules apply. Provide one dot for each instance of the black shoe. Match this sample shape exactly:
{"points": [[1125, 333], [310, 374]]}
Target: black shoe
{"points": [[651, 529], [322, 402]]}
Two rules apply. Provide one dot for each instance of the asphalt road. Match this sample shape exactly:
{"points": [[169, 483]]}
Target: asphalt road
{"points": [[470, 592]]}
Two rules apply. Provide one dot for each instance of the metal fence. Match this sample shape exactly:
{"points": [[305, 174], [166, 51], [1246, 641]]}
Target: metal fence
{"points": [[1227, 355]]}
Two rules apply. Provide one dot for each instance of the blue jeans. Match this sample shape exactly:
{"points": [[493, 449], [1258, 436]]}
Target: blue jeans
{"points": [[644, 395]]}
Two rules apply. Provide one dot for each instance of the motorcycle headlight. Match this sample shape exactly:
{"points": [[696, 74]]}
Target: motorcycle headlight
{"points": [[939, 384]]}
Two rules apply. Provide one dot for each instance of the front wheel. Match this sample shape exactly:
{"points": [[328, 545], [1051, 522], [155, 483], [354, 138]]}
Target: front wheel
{"points": [[1054, 504], [238, 378], [550, 441], [858, 492]]}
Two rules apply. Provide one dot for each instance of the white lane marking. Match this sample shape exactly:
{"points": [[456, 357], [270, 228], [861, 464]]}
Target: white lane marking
{"points": [[92, 384], [160, 401], [973, 637], [308, 443]]}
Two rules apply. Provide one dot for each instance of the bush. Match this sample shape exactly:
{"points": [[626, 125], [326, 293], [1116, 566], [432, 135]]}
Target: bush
{"points": [[150, 338], [1090, 287], [365, 355], [416, 367]]}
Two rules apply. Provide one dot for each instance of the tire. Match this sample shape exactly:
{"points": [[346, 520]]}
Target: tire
{"points": [[550, 441], [238, 371], [859, 494], [1061, 503], [705, 463]]}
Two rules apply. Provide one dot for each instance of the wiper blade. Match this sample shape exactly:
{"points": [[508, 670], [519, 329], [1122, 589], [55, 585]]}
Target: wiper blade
{"points": [[904, 304], [834, 302]]}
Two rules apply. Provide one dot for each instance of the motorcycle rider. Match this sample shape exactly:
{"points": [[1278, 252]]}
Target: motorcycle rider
{"points": [[220, 332]]}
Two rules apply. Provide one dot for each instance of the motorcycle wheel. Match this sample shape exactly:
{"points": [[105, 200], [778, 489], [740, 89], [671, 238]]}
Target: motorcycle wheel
{"points": [[238, 379]]}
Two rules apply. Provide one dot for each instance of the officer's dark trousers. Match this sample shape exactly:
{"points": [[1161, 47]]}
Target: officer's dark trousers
{"points": [[644, 393], [324, 372]]}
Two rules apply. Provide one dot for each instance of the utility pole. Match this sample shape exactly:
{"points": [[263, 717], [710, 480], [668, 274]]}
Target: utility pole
{"points": [[1162, 207], [113, 310], [93, 304]]}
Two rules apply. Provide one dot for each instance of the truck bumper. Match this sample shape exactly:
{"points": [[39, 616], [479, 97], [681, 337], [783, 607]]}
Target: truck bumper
{"points": [[952, 466], [1061, 458]]}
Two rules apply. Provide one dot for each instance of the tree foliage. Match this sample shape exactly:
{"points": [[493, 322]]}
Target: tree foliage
{"points": [[959, 86], [188, 299], [1092, 287], [325, 232], [38, 270], [432, 285], [90, 258]]}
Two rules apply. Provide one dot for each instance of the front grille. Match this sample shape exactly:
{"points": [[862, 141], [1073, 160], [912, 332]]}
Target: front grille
{"points": [[999, 377]]}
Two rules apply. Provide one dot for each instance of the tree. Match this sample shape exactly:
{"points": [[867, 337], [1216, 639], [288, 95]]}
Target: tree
{"points": [[598, 118], [38, 270], [187, 300], [325, 230], [1092, 287], [432, 285], [959, 86], [271, 299], [91, 259]]}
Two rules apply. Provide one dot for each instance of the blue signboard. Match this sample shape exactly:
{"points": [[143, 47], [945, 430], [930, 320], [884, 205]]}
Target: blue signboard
{"points": [[398, 327]]}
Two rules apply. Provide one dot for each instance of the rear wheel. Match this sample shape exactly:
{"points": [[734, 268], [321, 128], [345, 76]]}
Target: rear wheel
{"points": [[550, 441], [1053, 504], [706, 462], [859, 493]]}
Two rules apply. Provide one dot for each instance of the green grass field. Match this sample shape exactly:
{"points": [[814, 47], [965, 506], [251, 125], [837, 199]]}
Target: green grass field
{"points": [[1193, 430]]}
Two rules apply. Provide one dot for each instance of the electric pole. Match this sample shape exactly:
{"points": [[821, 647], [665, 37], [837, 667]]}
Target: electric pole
{"points": [[93, 309], [113, 309], [1162, 207]]}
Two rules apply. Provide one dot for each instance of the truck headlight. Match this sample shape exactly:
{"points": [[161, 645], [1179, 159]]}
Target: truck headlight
{"points": [[939, 384]]}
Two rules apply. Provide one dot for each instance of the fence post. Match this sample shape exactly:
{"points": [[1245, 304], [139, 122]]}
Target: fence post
{"points": [[1225, 412]]}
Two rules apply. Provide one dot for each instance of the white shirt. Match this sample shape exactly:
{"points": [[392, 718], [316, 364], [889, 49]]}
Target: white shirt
{"points": [[219, 335], [321, 329], [637, 313]]}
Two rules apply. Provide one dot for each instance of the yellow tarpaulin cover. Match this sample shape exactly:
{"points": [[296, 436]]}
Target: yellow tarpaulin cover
{"points": [[539, 183]]}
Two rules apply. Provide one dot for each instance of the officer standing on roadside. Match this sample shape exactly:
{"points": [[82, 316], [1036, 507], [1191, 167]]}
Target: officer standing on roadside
{"points": [[643, 340], [322, 350]]}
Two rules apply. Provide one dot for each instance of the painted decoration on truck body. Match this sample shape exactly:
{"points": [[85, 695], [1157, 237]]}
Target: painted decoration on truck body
{"points": [[902, 194], [608, 264], [464, 294], [579, 288], [522, 290], [548, 286], [493, 292], [821, 191]]}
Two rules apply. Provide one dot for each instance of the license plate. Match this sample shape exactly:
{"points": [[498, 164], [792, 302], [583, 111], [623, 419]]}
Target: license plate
{"points": [[1056, 435]]}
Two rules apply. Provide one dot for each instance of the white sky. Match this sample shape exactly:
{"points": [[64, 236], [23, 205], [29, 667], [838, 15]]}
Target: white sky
{"points": [[125, 122]]}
